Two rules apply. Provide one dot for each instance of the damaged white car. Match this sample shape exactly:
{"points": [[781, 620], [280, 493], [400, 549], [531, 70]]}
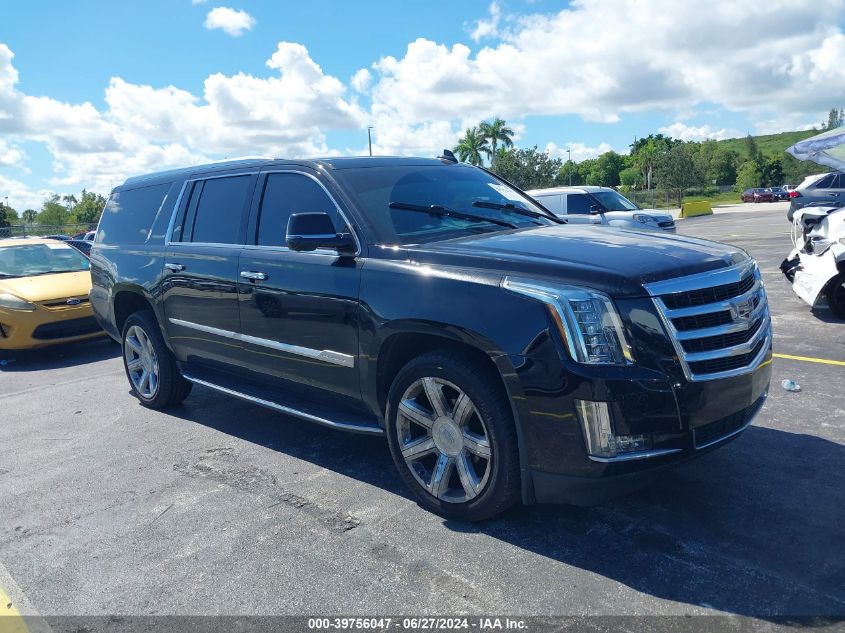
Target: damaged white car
{"points": [[816, 265]]}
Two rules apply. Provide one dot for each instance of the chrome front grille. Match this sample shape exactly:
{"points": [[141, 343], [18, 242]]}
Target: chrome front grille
{"points": [[718, 321]]}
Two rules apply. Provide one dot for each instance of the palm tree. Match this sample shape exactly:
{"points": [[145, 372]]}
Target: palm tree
{"points": [[496, 132], [471, 147]]}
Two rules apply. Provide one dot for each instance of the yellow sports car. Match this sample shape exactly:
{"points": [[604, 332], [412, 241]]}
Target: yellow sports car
{"points": [[44, 287]]}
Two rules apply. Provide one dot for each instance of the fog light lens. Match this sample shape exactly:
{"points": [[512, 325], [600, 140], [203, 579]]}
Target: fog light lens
{"points": [[598, 432]]}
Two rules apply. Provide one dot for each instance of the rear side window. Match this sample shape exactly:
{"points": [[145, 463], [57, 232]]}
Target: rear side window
{"points": [[826, 182], [216, 209], [284, 195], [129, 215], [578, 203]]}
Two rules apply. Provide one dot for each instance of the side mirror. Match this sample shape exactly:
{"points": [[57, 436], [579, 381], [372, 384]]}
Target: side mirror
{"points": [[310, 231], [595, 209]]}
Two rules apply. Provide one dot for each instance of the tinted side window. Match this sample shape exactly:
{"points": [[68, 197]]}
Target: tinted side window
{"points": [[826, 182], [578, 203], [285, 194], [838, 182], [220, 209], [129, 215]]}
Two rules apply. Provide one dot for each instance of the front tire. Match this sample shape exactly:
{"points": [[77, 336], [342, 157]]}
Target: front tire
{"points": [[150, 366], [836, 295], [452, 437]]}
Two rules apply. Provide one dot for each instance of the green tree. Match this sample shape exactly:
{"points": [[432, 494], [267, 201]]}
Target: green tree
{"points": [[772, 173], [53, 212], [8, 216], [606, 170], [753, 151], [631, 177], [29, 216], [835, 119], [748, 175], [569, 174], [528, 168], [89, 208], [677, 171], [472, 146], [496, 132], [646, 152]]}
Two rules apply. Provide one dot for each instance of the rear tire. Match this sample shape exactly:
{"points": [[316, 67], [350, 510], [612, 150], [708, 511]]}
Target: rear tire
{"points": [[150, 366], [452, 436], [836, 295]]}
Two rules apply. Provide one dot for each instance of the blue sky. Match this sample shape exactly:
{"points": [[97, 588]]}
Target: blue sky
{"points": [[93, 91]]}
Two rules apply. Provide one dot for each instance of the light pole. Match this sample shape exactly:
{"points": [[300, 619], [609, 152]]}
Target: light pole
{"points": [[370, 138], [569, 160]]}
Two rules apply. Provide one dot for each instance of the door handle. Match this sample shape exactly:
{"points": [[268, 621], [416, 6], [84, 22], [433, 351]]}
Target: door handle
{"points": [[248, 274], [174, 267]]}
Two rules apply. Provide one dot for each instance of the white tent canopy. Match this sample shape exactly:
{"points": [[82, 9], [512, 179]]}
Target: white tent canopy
{"points": [[827, 148]]}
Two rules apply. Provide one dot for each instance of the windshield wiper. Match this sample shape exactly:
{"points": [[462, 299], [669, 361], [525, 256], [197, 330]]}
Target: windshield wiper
{"points": [[515, 209], [444, 212]]}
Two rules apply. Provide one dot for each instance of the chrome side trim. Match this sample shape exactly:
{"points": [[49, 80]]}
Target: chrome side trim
{"points": [[343, 426], [325, 355], [627, 457]]}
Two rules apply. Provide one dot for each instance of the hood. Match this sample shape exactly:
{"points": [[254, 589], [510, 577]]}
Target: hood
{"points": [[615, 261], [47, 287]]}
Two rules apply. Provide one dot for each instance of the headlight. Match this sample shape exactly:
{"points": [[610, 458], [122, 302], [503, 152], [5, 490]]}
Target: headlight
{"points": [[645, 219], [15, 303], [587, 320]]}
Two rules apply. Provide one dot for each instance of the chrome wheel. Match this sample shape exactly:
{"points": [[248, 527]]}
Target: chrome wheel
{"points": [[443, 440], [141, 362]]}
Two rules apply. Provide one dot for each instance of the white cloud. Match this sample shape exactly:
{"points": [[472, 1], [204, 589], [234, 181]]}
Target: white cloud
{"points": [[145, 128], [488, 27], [21, 197], [361, 80], [702, 133], [11, 155], [580, 151], [230, 21], [599, 59]]}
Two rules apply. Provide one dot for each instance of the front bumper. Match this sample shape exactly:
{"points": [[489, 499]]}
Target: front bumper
{"points": [[21, 330], [682, 419]]}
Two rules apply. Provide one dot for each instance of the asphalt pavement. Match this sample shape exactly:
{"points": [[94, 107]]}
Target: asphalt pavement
{"points": [[222, 507]]}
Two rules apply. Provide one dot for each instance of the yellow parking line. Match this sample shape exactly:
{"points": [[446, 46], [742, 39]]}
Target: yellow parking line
{"points": [[10, 618], [810, 359]]}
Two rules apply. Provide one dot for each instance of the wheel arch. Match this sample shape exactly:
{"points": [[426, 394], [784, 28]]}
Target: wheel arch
{"points": [[406, 340]]}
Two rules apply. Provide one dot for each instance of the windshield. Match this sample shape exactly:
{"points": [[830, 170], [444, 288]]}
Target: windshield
{"points": [[613, 201], [28, 260], [423, 195]]}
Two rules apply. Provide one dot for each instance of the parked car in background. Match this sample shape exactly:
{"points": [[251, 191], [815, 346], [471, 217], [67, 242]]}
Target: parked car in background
{"points": [[603, 206], [58, 236], [788, 188], [88, 236], [505, 354], [83, 246], [779, 193], [758, 194], [44, 288], [819, 188]]}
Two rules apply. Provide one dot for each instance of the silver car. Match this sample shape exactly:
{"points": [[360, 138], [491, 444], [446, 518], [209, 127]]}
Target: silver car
{"points": [[601, 205], [818, 189]]}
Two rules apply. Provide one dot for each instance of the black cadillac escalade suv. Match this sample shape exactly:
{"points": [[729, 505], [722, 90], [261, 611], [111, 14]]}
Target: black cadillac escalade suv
{"points": [[506, 355]]}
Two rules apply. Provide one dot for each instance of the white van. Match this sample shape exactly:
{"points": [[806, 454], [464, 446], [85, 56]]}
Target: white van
{"points": [[601, 205]]}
